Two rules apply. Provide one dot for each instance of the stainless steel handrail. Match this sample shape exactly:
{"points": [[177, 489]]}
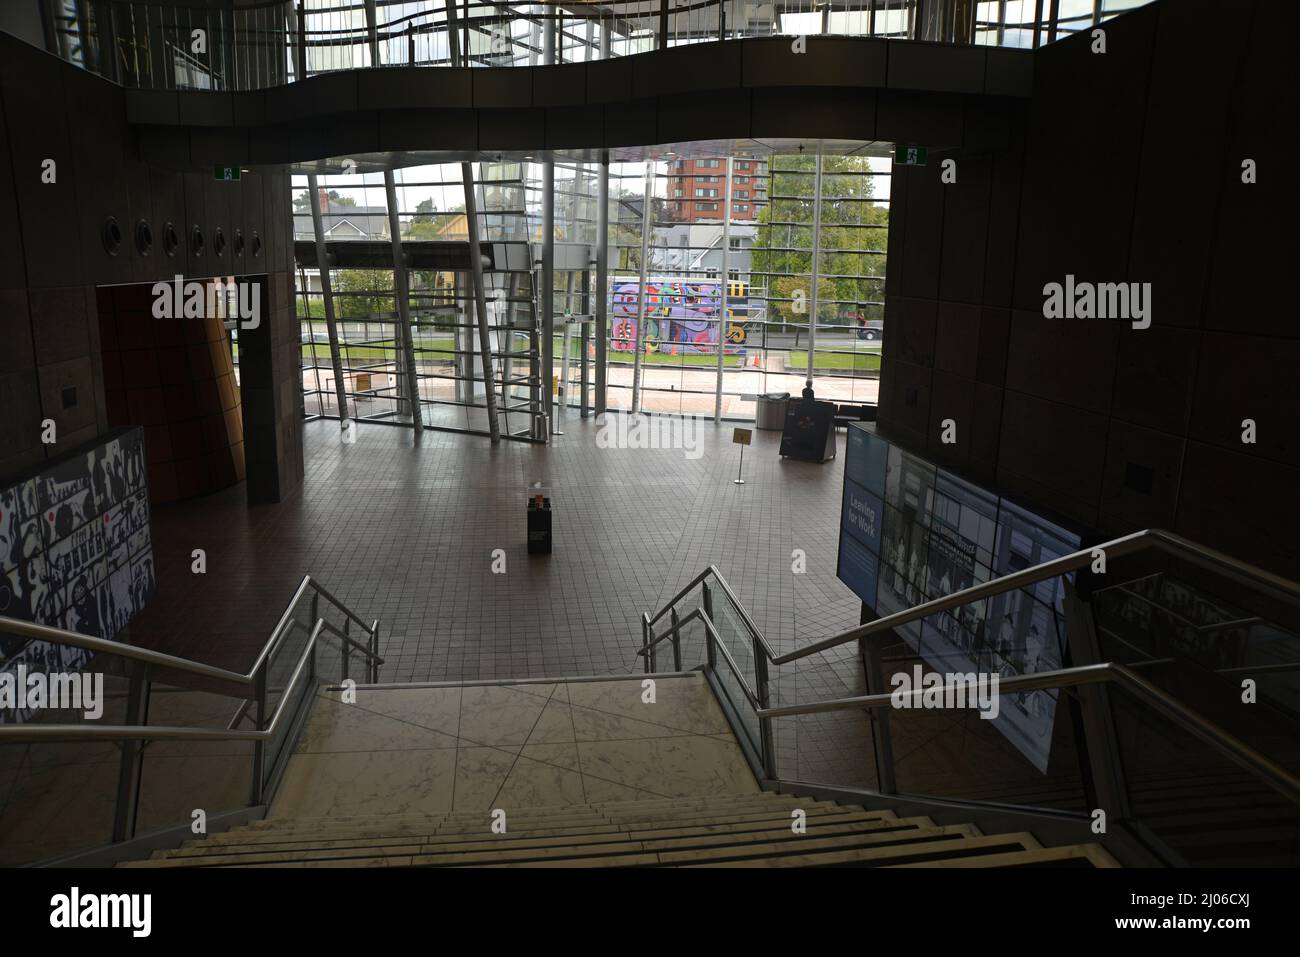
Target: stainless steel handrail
{"points": [[1115, 548], [1183, 717], [108, 646], [711, 571], [114, 732], [61, 636], [1280, 587]]}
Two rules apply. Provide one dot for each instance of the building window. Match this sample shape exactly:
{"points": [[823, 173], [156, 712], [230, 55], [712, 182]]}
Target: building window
{"points": [[706, 192], [735, 242]]}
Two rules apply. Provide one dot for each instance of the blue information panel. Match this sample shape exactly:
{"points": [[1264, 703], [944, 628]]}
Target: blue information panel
{"points": [[911, 532]]}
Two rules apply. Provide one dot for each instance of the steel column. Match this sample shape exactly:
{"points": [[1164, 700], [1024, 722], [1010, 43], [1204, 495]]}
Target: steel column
{"points": [[882, 737], [548, 255], [401, 289], [327, 297], [602, 268], [647, 204], [476, 258], [725, 298], [816, 265], [584, 360]]}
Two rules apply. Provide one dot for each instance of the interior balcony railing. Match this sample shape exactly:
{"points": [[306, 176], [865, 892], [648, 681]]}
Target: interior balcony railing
{"points": [[174, 46]]}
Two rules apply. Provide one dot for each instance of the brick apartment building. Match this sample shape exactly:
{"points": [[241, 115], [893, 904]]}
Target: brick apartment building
{"points": [[697, 189]]}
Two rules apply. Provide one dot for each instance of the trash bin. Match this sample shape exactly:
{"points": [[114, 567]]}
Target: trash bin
{"points": [[539, 525], [771, 410]]}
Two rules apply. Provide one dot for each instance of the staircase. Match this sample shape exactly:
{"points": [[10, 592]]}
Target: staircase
{"points": [[578, 773], [731, 831]]}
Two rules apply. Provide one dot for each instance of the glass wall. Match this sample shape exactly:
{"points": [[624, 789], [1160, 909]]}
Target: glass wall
{"points": [[743, 280], [762, 310]]}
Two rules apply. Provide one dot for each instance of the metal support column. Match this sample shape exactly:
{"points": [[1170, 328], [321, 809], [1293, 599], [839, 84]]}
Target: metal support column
{"points": [[401, 289], [106, 42], [602, 270], [724, 299], [816, 265], [584, 362], [372, 31], [548, 256], [476, 257], [327, 297], [647, 205]]}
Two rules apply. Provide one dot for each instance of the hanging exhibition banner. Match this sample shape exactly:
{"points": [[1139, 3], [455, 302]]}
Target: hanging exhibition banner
{"points": [[911, 532], [75, 551]]}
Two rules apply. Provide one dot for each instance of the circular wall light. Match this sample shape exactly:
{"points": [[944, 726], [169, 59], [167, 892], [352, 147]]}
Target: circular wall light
{"points": [[256, 244], [219, 242], [111, 236], [239, 242], [170, 239], [196, 241], [143, 237]]}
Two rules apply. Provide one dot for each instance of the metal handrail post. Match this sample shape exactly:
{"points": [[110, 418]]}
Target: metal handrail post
{"points": [[128, 775], [647, 651], [766, 741], [259, 746], [374, 652], [347, 646], [677, 643], [881, 734], [710, 656]]}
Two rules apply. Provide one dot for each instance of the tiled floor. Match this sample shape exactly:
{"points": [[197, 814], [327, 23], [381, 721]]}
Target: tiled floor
{"points": [[407, 536], [515, 747]]}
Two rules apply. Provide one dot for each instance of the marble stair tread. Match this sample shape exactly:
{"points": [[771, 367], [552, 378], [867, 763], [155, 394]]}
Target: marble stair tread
{"points": [[814, 823], [547, 826], [905, 853], [613, 840], [1094, 855], [760, 854], [726, 818]]}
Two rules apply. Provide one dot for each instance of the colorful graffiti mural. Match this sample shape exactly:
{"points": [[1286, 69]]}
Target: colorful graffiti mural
{"points": [[681, 315]]}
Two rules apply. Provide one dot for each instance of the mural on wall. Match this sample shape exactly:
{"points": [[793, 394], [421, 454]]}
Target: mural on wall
{"points": [[681, 316], [75, 551]]}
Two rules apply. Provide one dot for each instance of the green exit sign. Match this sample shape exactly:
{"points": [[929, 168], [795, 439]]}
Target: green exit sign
{"points": [[910, 155], [226, 173]]}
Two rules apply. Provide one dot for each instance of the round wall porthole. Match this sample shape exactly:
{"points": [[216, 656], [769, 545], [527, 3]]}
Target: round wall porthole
{"points": [[219, 242], [239, 242], [111, 235], [196, 241], [257, 244], [143, 238], [170, 239]]}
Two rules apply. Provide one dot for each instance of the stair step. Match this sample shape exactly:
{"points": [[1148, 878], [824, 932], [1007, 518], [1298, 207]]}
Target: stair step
{"points": [[510, 843], [524, 849], [1091, 854], [412, 832], [880, 856]]}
